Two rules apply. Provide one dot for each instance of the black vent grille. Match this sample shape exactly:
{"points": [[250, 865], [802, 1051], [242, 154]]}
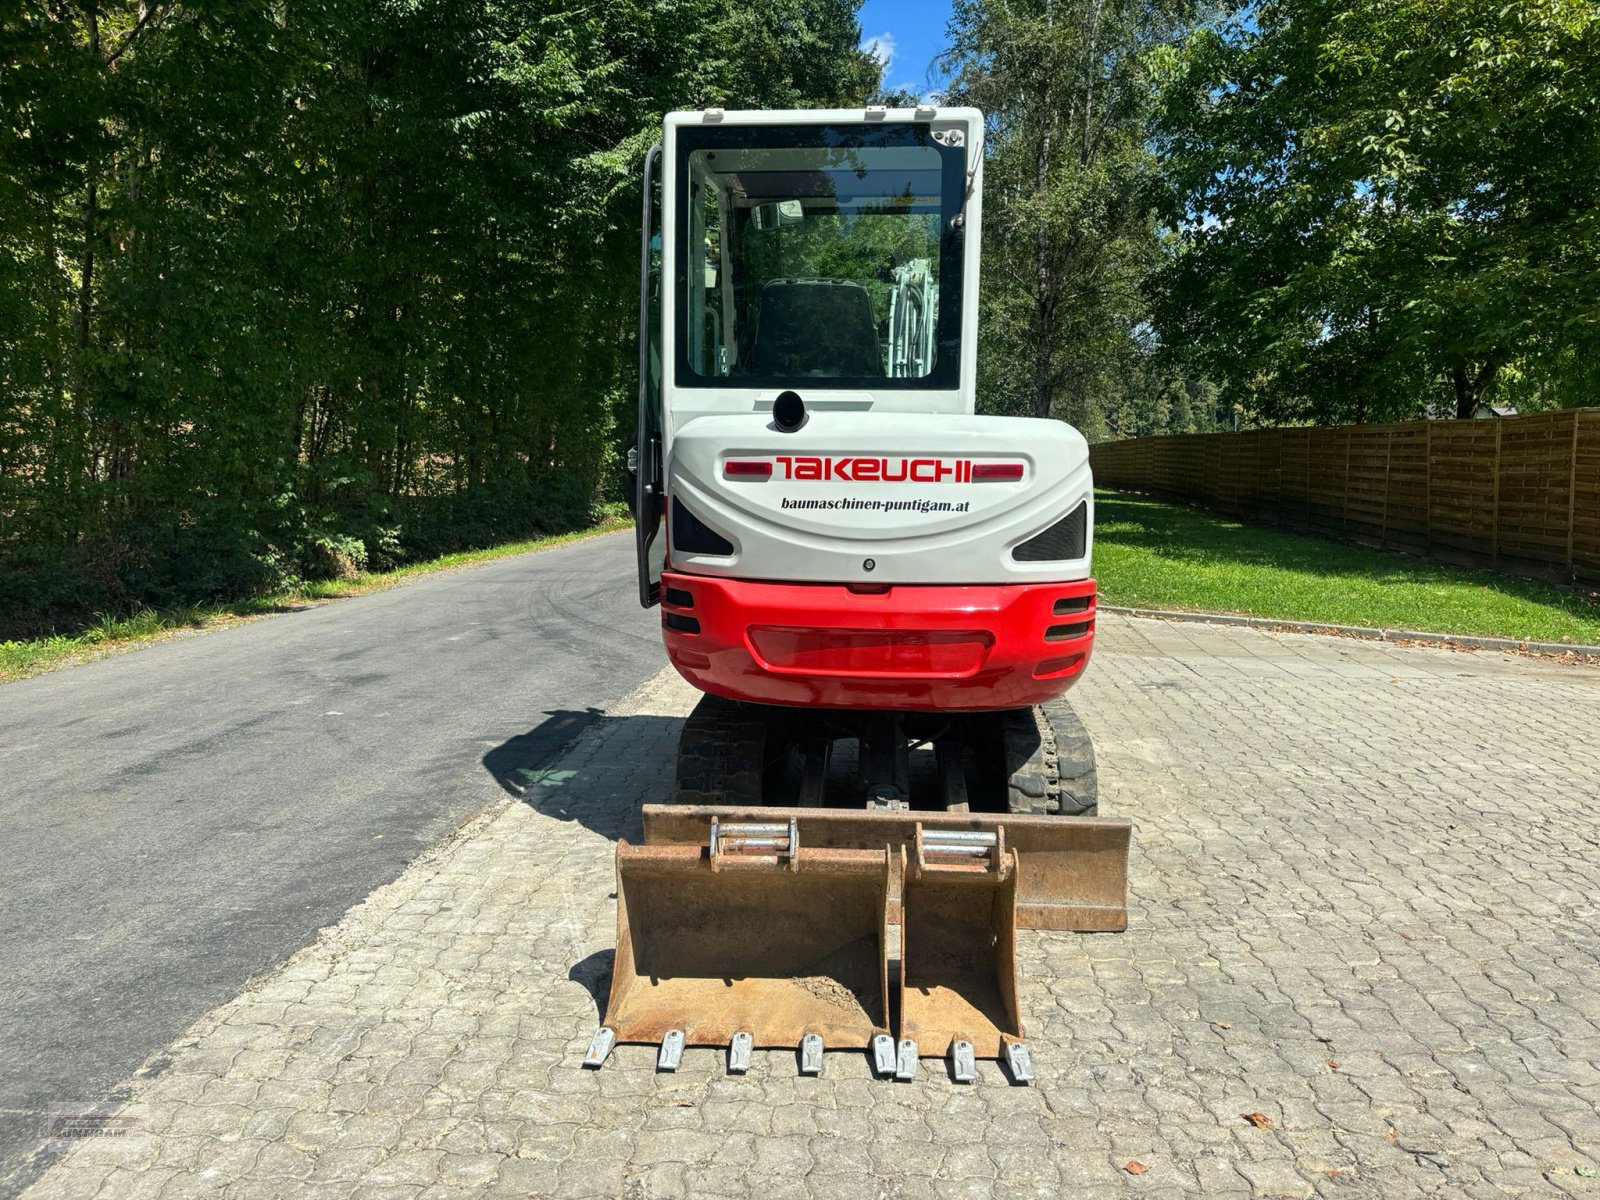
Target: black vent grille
{"points": [[1062, 541], [693, 536]]}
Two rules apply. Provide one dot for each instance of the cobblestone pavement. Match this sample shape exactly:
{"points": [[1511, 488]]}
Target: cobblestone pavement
{"points": [[1364, 905]]}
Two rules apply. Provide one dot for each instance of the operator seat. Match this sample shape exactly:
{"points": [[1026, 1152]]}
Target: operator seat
{"points": [[816, 327]]}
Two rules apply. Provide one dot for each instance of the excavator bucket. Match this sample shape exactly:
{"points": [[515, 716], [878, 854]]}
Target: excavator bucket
{"points": [[749, 941], [1076, 874], [731, 934], [958, 994]]}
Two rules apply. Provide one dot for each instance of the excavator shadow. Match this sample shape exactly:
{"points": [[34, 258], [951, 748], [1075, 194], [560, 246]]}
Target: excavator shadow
{"points": [[580, 766]]}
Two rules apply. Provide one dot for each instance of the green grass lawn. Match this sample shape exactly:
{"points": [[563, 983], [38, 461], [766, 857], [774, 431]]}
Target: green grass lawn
{"points": [[110, 634], [1148, 554]]}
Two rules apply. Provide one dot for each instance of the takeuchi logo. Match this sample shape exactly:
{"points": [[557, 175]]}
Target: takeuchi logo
{"points": [[877, 470]]}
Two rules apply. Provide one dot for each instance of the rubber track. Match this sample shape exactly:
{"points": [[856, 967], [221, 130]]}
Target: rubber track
{"points": [[1050, 758], [722, 754]]}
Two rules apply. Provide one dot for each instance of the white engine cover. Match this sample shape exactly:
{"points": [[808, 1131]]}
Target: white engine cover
{"points": [[905, 492]]}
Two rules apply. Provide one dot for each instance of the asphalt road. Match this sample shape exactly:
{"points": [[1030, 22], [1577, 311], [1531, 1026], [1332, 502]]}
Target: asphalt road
{"points": [[178, 819]]}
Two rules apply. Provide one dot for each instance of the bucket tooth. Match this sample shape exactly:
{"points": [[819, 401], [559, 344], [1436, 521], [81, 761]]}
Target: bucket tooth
{"points": [[1018, 1060], [882, 1055], [962, 1067], [600, 1047], [763, 939], [905, 1061], [811, 1054], [739, 1048], [671, 1051], [958, 981]]}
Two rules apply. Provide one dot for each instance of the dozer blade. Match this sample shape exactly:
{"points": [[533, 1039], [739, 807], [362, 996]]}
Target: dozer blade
{"points": [[958, 992], [751, 942], [1077, 867]]}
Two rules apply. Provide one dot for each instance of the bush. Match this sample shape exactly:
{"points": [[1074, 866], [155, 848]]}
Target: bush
{"points": [[335, 556]]}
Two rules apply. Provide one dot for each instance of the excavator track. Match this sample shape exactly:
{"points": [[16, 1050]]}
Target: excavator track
{"points": [[1049, 762], [723, 753], [1035, 761]]}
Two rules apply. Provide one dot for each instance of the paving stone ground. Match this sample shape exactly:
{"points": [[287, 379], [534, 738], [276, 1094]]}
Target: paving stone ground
{"points": [[1365, 898]]}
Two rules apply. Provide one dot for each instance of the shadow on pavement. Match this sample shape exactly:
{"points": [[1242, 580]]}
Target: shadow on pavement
{"points": [[594, 973], [591, 768], [514, 762]]}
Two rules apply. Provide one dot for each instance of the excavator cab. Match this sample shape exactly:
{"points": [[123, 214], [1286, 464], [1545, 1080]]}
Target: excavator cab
{"points": [[883, 595]]}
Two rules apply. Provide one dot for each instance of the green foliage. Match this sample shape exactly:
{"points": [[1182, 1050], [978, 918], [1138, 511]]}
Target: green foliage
{"points": [[1069, 190], [1387, 203], [289, 288], [1147, 396]]}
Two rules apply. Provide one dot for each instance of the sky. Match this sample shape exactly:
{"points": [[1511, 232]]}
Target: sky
{"points": [[906, 35]]}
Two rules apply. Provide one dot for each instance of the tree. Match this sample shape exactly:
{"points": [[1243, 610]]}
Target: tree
{"points": [[291, 285], [1068, 204], [1381, 196], [1149, 394]]}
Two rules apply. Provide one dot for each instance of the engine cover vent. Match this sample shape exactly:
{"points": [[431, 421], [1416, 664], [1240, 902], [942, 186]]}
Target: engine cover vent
{"points": [[693, 536], [1062, 541]]}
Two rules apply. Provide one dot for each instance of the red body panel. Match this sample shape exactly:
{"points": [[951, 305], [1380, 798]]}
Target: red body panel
{"points": [[906, 647]]}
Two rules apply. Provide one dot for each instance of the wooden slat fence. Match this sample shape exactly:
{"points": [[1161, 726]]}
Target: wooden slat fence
{"points": [[1517, 494]]}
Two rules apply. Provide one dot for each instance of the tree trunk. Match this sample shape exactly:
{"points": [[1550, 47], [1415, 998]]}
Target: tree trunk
{"points": [[1090, 72], [83, 318], [1470, 390], [1042, 356], [1041, 249]]}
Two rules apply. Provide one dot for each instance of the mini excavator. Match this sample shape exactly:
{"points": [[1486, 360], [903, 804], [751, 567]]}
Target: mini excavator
{"points": [[883, 596]]}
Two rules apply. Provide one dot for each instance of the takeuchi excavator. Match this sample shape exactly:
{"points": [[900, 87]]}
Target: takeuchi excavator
{"points": [[883, 596]]}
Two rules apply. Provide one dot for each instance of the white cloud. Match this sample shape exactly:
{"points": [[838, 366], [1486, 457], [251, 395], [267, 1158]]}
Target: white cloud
{"points": [[882, 47]]}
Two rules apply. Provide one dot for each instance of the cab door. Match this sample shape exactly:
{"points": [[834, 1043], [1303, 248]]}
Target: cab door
{"points": [[649, 493]]}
